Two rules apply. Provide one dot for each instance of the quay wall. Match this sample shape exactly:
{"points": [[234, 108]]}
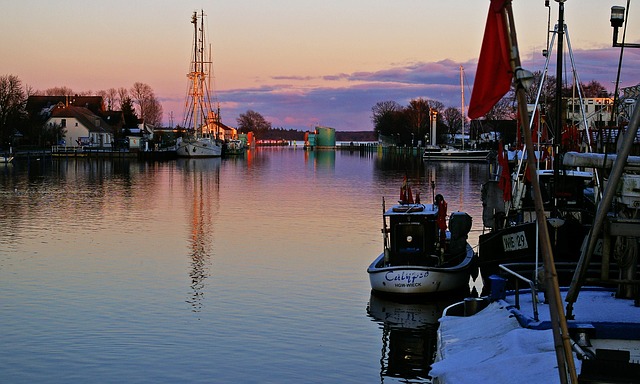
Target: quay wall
{"points": [[381, 149]]}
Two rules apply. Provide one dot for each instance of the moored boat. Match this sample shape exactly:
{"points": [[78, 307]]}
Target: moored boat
{"points": [[419, 255], [436, 153], [527, 335], [568, 193], [234, 147], [194, 146], [509, 339]]}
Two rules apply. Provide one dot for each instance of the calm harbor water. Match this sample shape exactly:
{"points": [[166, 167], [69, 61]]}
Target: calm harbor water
{"points": [[247, 270]]}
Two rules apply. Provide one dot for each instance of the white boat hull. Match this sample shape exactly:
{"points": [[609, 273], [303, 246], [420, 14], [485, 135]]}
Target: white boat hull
{"points": [[410, 280], [456, 155], [199, 148]]}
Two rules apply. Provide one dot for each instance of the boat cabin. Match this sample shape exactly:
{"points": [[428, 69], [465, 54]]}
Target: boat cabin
{"points": [[566, 190], [412, 234]]}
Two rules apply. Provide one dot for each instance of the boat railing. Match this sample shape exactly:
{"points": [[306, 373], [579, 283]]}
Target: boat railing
{"points": [[532, 286]]}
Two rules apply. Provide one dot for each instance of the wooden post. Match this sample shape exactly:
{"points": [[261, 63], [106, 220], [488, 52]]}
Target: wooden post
{"points": [[564, 354]]}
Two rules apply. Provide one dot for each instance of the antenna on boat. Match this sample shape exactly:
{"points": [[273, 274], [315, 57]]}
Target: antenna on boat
{"points": [[385, 233], [558, 128]]}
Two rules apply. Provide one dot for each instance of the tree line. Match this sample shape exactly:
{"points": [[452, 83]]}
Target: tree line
{"points": [[406, 125], [137, 102]]}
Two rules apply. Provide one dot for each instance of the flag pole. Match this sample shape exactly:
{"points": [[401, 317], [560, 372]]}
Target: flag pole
{"points": [[562, 341]]}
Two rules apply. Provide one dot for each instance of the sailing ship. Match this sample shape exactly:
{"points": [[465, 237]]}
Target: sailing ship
{"points": [[201, 121], [449, 153]]}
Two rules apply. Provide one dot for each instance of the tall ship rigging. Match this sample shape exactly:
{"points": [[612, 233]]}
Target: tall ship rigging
{"points": [[201, 121]]}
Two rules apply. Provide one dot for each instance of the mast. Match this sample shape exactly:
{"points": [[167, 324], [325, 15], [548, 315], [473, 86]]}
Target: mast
{"points": [[558, 131], [198, 112], [194, 71], [564, 356], [462, 103]]}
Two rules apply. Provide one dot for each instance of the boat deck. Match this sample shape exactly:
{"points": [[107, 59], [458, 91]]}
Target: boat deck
{"points": [[501, 335]]}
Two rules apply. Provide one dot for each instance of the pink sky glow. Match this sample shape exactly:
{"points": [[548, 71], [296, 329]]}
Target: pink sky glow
{"points": [[299, 64]]}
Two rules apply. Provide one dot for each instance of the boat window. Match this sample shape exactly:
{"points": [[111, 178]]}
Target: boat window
{"points": [[409, 238]]}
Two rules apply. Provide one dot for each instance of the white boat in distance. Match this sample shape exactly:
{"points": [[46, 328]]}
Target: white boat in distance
{"points": [[201, 121], [437, 153], [420, 256], [448, 153]]}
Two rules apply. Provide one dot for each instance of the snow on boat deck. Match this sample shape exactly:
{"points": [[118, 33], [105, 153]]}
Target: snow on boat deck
{"points": [[491, 346]]}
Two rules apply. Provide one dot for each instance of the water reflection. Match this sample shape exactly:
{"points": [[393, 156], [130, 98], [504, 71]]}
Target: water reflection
{"points": [[409, 336], [201, 181], [321, 158]]}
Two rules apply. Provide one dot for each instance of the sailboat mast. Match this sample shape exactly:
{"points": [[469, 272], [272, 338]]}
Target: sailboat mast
{"points": [[204, 111], [558, 130], [462, 103], [194, 69]]}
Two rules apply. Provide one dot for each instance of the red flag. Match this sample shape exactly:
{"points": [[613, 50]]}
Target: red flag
{"points": [[406, 197], [494, 74]]}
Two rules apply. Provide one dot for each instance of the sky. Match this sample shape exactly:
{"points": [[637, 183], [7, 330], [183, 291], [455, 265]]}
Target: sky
{"points": [[298, 63]]}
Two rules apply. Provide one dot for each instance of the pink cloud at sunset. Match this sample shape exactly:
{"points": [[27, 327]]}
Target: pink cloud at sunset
{"points": [[297, 63]]}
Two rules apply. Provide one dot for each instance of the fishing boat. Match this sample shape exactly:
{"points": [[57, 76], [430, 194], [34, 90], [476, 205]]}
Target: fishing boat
{"points": [[420, 256], [569, 191], [602, 317], [201, 121], [527, 334], [434, 152]]}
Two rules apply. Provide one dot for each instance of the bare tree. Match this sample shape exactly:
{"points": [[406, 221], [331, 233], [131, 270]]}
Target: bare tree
{"points": [[252, 121], [149, 108], [154, 113], [504, 109], [12, 103], [109, 96], [383, 107], [59, 91], [594, 89], [418, 117], [123, 94], [452, 118]]}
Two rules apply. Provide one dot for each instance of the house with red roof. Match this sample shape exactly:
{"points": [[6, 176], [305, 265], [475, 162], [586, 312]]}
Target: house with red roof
{"points": [[82, 126]]}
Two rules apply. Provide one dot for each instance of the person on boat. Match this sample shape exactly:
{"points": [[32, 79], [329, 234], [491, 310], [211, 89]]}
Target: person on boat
{"points": [[441, 219]]}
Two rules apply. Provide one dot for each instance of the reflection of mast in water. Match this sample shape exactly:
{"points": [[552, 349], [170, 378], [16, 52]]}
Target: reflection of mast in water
{"points": [[202, 183], [409, 333]]}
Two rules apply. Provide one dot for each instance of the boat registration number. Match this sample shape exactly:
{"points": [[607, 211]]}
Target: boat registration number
{"points": [[514, 241]]}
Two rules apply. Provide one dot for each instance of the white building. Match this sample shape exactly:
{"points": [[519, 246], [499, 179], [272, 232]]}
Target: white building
{"points": [[82, 126], [597, 111]]}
